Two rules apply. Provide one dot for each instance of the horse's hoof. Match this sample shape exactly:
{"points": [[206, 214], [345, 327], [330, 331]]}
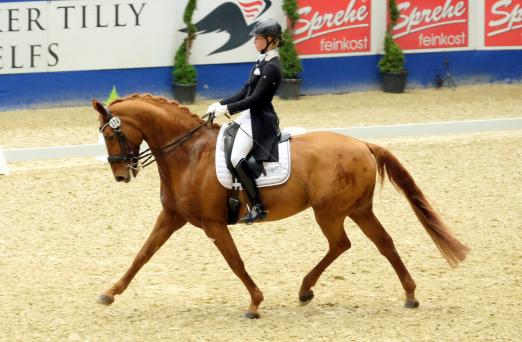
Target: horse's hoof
{"points": [[306, 298], [104, 299], [251, 315], [411, 303]]}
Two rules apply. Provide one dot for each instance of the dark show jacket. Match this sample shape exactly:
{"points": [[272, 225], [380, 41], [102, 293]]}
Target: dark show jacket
{"points": [[257, 95]]}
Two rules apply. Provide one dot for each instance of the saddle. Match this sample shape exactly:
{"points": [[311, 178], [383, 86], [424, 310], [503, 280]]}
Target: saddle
{"points": [[267, 173]]}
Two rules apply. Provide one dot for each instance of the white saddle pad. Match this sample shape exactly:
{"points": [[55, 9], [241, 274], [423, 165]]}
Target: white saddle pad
{"points": [[276, 172]]}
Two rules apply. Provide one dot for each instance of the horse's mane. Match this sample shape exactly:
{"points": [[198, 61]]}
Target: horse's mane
{"points": [[161, 100]]}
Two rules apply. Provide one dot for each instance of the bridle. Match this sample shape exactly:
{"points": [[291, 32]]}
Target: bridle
{"points": [[145, 158]]}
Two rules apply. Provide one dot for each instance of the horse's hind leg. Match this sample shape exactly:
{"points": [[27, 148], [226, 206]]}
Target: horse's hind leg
{"points": [[373, 229], [333, 230], [166, 224]]}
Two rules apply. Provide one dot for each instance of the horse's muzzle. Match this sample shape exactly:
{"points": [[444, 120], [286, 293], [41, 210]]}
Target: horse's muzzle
{"points": [[122, 179]]}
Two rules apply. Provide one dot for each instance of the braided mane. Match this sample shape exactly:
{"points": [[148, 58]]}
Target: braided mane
{"points": [[160, 100]]}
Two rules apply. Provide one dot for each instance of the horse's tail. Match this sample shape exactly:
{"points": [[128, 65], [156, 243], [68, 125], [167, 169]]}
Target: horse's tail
{"points": [[452, 250]]}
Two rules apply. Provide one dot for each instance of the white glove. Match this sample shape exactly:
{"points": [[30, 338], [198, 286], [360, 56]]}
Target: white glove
{"points": [[220, 111], [212, 107]]}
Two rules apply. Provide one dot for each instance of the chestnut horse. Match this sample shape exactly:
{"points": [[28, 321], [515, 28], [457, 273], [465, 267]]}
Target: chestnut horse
{"points": [[333, 174]]}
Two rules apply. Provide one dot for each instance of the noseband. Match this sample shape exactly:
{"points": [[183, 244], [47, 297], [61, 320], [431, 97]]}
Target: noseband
{"points": [[128, 156]]}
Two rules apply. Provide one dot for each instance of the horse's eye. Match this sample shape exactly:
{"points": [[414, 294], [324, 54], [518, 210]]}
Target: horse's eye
{"points": [[108, 137]]}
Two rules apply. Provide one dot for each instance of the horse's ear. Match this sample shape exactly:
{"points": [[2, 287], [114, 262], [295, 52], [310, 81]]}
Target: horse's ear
{"points": [[100, 108]]}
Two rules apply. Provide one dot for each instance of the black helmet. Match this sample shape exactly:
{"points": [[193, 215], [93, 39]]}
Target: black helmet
{"points": [[267, 28]]}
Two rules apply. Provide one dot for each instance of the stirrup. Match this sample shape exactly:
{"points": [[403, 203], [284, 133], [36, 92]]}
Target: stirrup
{"points": [[257, 213]]}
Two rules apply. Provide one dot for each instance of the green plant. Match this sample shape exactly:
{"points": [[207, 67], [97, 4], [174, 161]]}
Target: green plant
{"points": [[290, 62], [393, 59], [183, 71]]}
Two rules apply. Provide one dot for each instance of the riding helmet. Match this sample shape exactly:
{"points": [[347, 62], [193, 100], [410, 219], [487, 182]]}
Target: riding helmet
{"points": [[267, 28]]}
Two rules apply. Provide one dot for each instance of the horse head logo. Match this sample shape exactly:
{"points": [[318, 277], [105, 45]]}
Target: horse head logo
{"points": [[236, 19]]}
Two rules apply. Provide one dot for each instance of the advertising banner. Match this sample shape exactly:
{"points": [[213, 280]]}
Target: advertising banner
{"points": [[47, 36], [223, 29], [503, 23], [73, 35], [333, 27], [41, 36], [435, 24]]}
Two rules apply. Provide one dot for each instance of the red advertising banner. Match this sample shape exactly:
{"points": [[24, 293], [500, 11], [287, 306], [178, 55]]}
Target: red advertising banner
{"points": [[333, 27], [503, 25], [435, 24]]}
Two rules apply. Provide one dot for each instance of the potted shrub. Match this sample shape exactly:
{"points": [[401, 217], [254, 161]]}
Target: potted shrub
{"points": [[290, 63], [391, 64], [184, 76]]}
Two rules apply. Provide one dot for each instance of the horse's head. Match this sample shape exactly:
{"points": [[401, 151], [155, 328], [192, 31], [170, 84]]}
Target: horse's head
{"points": [[122, 140]]}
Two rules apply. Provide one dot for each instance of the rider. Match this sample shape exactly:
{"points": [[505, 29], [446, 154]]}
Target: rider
{"points": [[259, 124]]}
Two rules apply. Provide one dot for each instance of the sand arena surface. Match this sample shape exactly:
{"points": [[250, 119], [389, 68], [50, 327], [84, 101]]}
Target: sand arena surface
{"points": [[68, 231]]}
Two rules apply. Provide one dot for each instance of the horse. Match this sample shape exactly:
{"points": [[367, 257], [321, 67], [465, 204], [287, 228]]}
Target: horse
{"points": [[333, 174]]}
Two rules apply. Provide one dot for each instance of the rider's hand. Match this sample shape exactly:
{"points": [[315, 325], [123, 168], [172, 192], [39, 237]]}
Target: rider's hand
{"points": [[212, 107], [220, 110]]}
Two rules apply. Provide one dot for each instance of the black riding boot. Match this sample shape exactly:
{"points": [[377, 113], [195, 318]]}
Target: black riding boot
{"points": [[247, 179]]}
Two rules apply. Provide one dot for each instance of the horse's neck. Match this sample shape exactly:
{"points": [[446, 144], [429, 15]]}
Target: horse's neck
{"points": [[177, 162], [162, 128]]}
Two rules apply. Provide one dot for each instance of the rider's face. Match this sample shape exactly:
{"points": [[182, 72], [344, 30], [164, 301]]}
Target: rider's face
{"points": [[260, 43]]}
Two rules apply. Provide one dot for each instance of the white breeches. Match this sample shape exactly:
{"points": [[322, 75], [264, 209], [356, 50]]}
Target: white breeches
{"points": [[243, 143]]}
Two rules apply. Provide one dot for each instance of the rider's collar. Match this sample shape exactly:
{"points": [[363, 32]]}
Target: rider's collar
{"points": [[271, 54], [268, 55]]}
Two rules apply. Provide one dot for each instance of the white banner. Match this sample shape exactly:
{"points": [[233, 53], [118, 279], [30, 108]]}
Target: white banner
{"points": [[46, 36], [86, 35]]}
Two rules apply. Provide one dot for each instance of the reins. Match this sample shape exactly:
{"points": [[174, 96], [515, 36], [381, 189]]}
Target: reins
{"points": [[148, 154], [148, 157]]}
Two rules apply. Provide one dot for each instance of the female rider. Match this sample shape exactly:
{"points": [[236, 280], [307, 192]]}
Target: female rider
{"points": [[259, 124]]}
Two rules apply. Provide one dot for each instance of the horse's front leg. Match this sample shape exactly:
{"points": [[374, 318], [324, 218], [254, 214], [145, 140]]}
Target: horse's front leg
{"points": [[166, 224], [223, 240]]}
